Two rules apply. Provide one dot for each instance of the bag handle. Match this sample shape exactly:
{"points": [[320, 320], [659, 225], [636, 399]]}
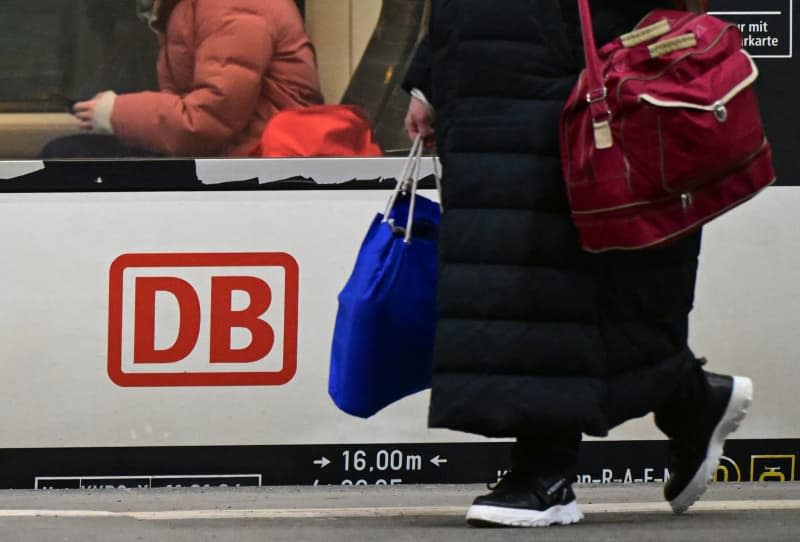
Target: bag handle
{"points": [[413, 203], [409, 178], [405, 176], [437, 175], [407, 182], [597, 92]]}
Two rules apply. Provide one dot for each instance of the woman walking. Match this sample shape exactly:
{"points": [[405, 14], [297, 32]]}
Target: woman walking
{"points": [[537, 339]]}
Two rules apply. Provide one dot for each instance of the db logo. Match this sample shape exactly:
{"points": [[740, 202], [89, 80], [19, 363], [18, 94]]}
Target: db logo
{"points": [[203, 319]]}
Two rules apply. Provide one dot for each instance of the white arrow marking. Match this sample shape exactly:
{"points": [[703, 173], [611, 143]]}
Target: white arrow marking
{"points": [[324, 462], [438, 461]]}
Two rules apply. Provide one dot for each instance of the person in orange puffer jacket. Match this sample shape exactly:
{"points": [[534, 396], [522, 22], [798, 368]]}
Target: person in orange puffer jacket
{"points": [[224, 69]]}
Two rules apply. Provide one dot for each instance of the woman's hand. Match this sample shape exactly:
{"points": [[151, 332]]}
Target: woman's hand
{"points": [[95, 114], [419, 122], [85, 113]]}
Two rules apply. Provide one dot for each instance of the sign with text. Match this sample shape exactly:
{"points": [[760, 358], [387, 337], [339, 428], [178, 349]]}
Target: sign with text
{"points": [[768, 33], [203, 319], [767, 27], [386, 464]]}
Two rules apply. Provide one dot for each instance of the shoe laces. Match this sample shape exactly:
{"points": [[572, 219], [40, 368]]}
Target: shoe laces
{"points": [[508, 479], [513, 480]]}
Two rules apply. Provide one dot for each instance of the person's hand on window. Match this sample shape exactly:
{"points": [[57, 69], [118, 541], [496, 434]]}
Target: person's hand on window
{"points": [[419, 121], [95, 114]]}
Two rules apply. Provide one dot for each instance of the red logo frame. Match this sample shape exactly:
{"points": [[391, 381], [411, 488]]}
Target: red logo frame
{"points": [[192, 260]]}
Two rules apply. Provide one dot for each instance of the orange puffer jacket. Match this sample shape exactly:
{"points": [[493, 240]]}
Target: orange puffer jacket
{"points": [[225, 67]]}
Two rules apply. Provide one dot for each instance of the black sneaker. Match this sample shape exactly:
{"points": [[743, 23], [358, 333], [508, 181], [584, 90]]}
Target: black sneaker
{"points": [[520, 501], [694, 458]]}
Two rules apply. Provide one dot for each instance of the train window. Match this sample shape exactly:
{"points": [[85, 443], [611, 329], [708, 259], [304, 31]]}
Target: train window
{"points": [[59, 51], [55, 51]]}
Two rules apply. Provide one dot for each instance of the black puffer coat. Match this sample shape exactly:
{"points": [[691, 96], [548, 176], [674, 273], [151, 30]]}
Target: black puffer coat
{"points": [[533, 333]]}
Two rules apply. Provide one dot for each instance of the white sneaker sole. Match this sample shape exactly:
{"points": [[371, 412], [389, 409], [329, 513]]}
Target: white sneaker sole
{"points": [[518, 517], [741, 397]]}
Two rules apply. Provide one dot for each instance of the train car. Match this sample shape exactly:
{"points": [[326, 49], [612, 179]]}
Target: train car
{"points": [[83, 240]]}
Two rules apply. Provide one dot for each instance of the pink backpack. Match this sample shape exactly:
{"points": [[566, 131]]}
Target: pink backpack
{"points": [[662, 132]]}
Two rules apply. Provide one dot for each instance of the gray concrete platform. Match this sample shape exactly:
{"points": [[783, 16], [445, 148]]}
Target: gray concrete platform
{"points": [[729, 512]]}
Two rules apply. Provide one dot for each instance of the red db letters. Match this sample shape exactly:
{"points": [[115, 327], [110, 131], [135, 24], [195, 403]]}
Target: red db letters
{"points": [[173, 319]]}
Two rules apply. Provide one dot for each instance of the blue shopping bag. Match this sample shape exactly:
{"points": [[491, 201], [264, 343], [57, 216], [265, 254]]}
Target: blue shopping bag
{"points": [[383, 337]]}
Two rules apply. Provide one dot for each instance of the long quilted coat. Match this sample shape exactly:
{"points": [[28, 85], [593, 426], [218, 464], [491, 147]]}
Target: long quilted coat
{"points": [[225, 67], [534, 334]]}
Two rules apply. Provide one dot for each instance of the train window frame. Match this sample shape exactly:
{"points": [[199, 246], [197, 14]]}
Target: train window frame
{"points": [[94, 52]]}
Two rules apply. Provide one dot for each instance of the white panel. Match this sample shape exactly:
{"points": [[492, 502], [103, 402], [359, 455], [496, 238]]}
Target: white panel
{"points": [[322, 170], [57, 250], [11, 169]]}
